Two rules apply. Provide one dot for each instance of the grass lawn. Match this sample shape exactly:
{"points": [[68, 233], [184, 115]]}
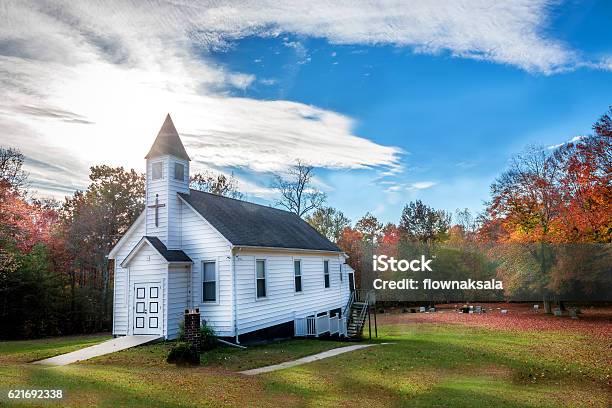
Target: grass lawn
{"points": [[24, 351], [226, 358], [429, 364]]}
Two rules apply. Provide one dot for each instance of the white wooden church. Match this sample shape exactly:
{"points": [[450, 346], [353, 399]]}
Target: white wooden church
{"points": [[247, 267]]}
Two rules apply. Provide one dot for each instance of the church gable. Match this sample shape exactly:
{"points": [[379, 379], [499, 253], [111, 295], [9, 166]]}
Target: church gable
{"points": [[169, 256]]}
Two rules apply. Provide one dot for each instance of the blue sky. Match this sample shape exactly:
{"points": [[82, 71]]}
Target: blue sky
{"points": [[391, 104]]}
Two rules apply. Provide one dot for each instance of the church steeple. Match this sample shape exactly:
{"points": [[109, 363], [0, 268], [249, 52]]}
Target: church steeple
{"points": [[167, 175], [168, 142]]}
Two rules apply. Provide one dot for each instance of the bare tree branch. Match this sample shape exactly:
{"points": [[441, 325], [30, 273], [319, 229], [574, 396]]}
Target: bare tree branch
{"points": [[297, 194], [219, 184]]}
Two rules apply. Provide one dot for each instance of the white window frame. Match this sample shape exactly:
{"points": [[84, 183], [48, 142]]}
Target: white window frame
{"points": [[161, 163], [328, 274], [179, 164], [301, 275], [209, 302], [265, 262]]}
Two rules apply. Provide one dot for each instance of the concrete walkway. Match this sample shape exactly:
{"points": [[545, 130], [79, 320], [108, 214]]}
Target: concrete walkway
{"points": [[107, 347], [307, 359]]}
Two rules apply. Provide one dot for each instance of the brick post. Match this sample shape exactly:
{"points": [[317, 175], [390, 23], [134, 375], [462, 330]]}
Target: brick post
{"points": [[192, 328]]}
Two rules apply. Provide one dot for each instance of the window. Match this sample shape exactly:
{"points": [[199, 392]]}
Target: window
{"points": [[261, 278], [297, 271], [179, 171], [340, 273], [326, 273], [157, 171], [209, 281]]}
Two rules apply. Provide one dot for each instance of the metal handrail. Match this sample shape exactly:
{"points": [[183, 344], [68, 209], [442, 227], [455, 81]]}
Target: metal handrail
{"points": [[364, 296], [348, 305], [368, 300]]}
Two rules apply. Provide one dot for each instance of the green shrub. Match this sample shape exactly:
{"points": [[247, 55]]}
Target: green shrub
{"points": [[183, 354], [209, 339], [181, 331]]}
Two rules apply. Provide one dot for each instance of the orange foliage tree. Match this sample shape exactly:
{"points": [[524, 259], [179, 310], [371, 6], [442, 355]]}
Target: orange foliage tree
{"points": [[549, 198]]}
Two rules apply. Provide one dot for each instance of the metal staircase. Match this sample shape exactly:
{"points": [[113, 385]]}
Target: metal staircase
{"points": [[357, 310]]}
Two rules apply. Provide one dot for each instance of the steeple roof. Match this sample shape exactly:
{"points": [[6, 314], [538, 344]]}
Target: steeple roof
{"points": [[167, 142]]}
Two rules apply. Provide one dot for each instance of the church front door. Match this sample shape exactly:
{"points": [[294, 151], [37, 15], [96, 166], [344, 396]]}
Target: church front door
{"points": [[147, 308]]}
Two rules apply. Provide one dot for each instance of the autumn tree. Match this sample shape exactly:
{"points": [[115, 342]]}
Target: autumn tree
{"points": [[94, 220], [370, 228], [421, 223], [389, 240], [216, 183], [549, 198], [526, 196], [30, 291], [11, 168], [585, 188], [603, 126], [351, 242], [297, 192], [329, 221]]}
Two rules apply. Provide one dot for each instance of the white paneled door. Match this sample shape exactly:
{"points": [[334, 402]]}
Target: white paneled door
{"points": [[147, 308]]}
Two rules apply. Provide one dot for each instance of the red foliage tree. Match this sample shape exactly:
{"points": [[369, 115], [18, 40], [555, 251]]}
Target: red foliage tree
{"points": [[351, 242]]}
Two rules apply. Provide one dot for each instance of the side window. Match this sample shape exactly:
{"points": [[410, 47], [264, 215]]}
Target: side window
{"points": [[209, 281], [326, 273], [260, 265], [297, 272], [179, 171], [341, 273], [157, 171]]}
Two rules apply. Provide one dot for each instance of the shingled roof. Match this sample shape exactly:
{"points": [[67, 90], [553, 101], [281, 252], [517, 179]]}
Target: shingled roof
{"points": [[167, 142], [248, 224], [170, 255]]}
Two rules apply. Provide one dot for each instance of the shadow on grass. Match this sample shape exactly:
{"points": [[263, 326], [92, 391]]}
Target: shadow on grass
{"points": [[432, 372], [82, 390]]}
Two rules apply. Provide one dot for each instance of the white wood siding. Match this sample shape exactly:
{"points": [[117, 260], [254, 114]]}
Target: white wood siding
{"points": [[120, 295], [201, 242], [169, 224], [147, 266], [175, 203], [177, 297], [159, 188], [282, 303]]}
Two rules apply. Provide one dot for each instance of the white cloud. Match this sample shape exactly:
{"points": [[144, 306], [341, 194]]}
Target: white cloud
{"points": [[421, 185], [572, 140], [241, 81], [511, 33], [268, 81], [90, 82], [87, 83]]}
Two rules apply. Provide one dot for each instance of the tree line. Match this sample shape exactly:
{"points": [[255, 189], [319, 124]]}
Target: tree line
{"points": [[545, 231], [55, 278]]}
